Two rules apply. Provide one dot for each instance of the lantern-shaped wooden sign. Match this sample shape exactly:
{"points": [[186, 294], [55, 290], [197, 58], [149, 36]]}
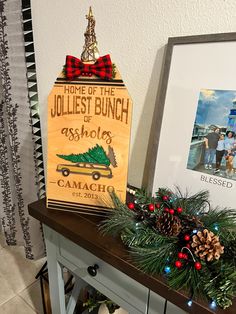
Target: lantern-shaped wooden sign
{"points": [[89, 118]]}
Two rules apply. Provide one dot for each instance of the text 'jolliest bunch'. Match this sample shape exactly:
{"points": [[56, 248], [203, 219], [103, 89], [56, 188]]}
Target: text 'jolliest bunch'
{"points": [[87, 103], [91, 100]]}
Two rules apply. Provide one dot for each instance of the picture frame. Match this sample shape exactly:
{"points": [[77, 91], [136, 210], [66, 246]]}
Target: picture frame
{"points": [[194, 67]]}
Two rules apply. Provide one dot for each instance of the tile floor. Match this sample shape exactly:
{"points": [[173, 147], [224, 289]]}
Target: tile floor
{"points": [[19, 291]]}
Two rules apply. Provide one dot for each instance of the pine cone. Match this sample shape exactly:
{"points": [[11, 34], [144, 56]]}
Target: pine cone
{"points": [[189, 223], [206, 245], [168, 224]]}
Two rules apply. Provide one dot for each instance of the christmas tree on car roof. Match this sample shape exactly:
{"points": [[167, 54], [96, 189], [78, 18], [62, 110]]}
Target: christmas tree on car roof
{"points": [[96, 155]]}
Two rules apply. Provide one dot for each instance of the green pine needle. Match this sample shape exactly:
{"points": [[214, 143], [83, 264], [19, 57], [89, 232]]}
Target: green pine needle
{"points": [[119, 219], [222, 287], [146, 258], [193, 204], [224, 219], [152, 251], [144, 197], [188, 279]]}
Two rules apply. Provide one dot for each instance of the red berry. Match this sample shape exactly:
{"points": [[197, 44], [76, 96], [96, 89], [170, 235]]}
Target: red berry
{"points": [[188, 245], [178, 264], [165, 198], [157, 205], [166, 209], [131, 205], [187, 237], [180, 255], [171, 211], [179, 210], [185, 256], [198, 266], [151, 207]]}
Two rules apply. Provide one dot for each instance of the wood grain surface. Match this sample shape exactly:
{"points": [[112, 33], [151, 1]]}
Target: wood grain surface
{"points": [[84, 113]]}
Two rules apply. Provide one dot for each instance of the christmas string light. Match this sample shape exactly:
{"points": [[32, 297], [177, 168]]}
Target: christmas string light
{"points": [[167, 269], [172, 239], [216, 227], [213, 305]]}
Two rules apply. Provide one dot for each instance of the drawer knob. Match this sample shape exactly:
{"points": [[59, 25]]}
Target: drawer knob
{"points": [[92, 270]]}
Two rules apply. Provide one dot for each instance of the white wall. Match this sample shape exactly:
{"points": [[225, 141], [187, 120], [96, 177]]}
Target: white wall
{"points": [[134, 32]]}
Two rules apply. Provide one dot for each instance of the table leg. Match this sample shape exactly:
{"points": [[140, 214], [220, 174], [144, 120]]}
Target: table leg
{"points": [[55, 272], [79, 284]]}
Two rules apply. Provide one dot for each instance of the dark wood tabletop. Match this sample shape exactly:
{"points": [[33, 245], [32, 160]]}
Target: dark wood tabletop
{"points": [[82, 229]]}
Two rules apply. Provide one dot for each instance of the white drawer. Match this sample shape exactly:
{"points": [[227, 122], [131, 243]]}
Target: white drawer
{"points": [[173, 309], [120, 288], [157, 304]]}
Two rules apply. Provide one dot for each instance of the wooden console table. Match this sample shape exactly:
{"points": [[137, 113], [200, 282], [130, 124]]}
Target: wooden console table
{"points": [[72, 240]]}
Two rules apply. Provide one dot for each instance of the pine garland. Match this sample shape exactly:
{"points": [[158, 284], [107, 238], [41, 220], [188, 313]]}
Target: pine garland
{"points": [[182, 237]]}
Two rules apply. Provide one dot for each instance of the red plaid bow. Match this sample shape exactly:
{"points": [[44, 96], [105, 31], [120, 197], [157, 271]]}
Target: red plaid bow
{"points": [[75, 67]]}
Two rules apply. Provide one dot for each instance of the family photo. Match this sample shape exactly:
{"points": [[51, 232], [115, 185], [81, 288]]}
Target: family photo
{"points": [[213, 144]]}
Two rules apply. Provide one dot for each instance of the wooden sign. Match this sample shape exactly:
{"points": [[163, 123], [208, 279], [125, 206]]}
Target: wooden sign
{"points": [[88, 143]]}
